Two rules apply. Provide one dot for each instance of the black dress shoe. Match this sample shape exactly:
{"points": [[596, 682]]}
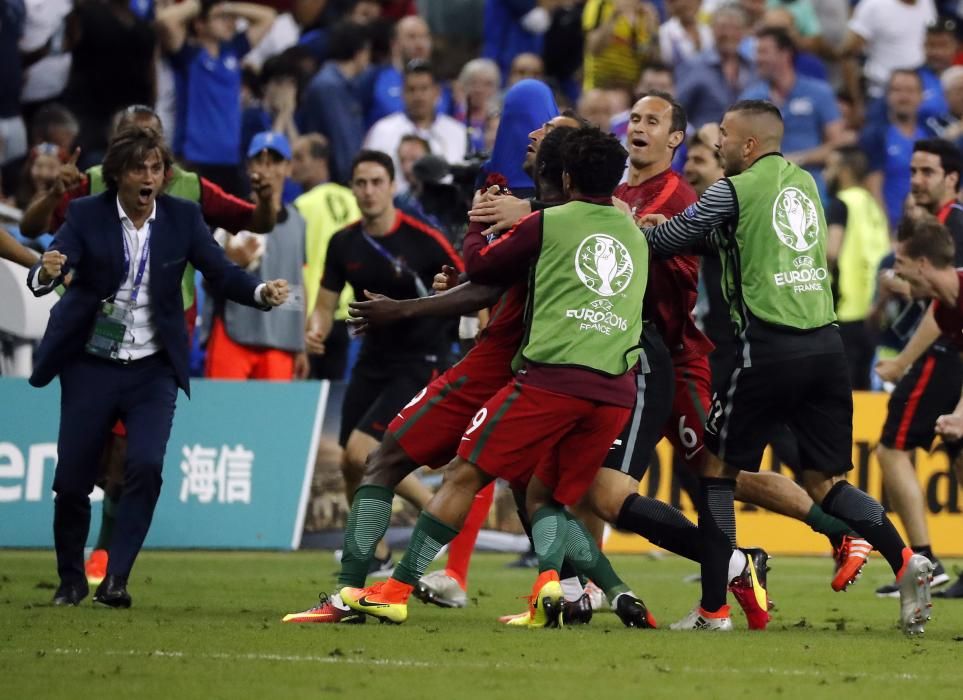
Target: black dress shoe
{"points": [[112, 592], [71, 593]]}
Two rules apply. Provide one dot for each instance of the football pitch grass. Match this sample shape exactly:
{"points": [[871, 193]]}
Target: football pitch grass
{"points": [[207, 625]]}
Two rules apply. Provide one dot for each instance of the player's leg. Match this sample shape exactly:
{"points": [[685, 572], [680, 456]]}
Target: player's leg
{"points": [[955, 589], [437, 525], [744, 411], [503, 440], [769, 490], [568, 479], [450, 585], [822, 422], [111, 482], [929, 389]]}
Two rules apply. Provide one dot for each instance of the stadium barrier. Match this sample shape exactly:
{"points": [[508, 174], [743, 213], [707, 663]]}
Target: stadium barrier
{"points": [[236, 475], [778, 534]]}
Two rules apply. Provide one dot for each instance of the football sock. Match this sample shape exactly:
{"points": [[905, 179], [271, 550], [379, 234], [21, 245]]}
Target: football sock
{"points": [[737, 563], [717, 526], [461, 548], [661, 524], [367, 523], [582, 550], [865, 515], [826, 524], [572, 588], [107, 518], [549, 533], [427, 539]]}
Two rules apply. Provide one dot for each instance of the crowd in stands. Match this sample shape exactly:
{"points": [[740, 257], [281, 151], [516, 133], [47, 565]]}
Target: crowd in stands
{"points": [[858, 84]]}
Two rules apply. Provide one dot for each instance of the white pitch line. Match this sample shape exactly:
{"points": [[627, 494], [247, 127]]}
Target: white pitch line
{"points": [[410, 663]]}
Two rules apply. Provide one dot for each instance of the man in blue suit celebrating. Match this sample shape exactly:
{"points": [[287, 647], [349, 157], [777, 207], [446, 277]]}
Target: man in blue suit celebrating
{"points": [[118, 342]]}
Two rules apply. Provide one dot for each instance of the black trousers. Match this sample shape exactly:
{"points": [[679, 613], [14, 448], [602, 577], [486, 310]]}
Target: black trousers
{"points": [[94, 394]]}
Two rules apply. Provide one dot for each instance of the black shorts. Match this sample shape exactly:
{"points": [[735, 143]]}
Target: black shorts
{"points": [[334, 362], [783, 443], [377, 391], [930, 389], [632, 451], [809, 395]]}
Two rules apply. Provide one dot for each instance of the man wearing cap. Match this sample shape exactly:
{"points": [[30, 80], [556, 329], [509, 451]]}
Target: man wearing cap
{"points": [[243, 345]]}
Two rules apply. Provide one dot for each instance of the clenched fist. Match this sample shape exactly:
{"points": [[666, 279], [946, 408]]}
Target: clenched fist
{"points": [[275, 292], [52, 265]]}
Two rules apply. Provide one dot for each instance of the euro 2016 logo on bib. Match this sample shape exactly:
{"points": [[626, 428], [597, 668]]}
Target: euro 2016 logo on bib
{"points": [[604, 264], [795, 220]]}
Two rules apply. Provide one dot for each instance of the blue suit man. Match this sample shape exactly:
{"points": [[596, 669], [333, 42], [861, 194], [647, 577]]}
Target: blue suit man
{"points": [[129, 246]]}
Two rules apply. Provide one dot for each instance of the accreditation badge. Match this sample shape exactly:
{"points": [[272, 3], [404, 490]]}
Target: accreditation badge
{"points": [[110, 329]]}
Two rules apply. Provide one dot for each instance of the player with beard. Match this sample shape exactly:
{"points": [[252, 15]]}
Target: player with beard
{"points": [[792, 368], [656, 129], [703, 168], [573, 400], [925, 260], [428, 430], [928, 371]]}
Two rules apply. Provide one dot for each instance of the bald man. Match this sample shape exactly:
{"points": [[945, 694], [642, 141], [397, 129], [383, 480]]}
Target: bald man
{"points": [[767, 223]]}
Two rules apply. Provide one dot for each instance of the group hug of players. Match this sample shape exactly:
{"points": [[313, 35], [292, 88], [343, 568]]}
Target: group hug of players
{"points": [[591, 356]]}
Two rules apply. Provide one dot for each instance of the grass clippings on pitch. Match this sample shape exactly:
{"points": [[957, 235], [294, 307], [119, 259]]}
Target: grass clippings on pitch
{"points": [[207, 625]]}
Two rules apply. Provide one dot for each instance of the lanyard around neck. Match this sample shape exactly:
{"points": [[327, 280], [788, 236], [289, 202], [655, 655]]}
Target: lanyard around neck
{"points": [[398, 264], [142, 265]]}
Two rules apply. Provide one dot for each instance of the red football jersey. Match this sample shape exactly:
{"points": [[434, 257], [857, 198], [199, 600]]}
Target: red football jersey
{"points": [[950, 318], [499, 341], [673, 282]]}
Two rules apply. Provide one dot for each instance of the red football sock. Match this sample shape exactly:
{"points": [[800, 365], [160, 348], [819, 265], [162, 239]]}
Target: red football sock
{"points": [[460, 549]]}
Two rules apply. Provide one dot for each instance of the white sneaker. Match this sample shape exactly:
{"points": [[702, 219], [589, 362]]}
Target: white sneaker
{"points": [[596, 596], [699, 619], [438, 588], [914, 594]]}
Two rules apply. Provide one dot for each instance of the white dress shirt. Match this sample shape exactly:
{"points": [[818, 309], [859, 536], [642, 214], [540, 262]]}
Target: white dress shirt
{"points": [[141, 338], [446, 136]]}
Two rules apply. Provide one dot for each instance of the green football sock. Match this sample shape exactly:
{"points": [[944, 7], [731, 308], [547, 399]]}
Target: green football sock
{"points": [[367, 523], [427, 539], [549, 533], [824, 523], [582, 551], [107, 517]]}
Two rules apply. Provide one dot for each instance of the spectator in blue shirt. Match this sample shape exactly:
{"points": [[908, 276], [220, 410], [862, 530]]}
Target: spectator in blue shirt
{"points": [[278, 88], [708, 84], [888, 142], [333, 105], [941, 47], [813, 124], [410, 40], [207, 66], [513, 27], [949, 125]]}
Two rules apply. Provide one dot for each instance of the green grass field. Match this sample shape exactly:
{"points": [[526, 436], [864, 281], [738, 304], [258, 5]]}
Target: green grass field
{"points": [[207, 625]]}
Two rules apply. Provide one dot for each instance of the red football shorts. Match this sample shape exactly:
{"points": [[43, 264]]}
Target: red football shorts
{"points": [[686, 424], [430, 426], [523, 430]]}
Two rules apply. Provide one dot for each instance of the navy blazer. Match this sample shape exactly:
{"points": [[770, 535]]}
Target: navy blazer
{"points": [[92, 239]]}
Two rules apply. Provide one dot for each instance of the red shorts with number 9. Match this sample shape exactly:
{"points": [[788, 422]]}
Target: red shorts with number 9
{"points": [[524, 431], [430, 426], [686, 424]]}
